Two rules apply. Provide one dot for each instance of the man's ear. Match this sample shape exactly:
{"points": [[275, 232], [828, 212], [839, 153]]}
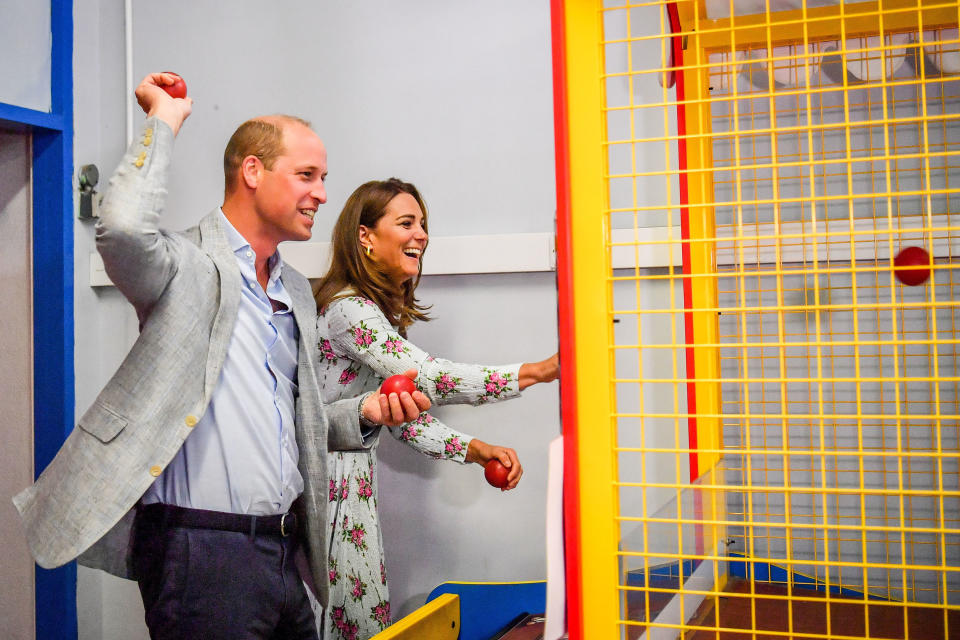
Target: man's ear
{"points": [[251, 171]]}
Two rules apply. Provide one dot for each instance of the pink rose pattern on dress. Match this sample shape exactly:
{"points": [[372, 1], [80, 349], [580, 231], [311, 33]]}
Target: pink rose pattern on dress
{"points": [[425, 419], [341, 494], [383, 573], [380, 613], [445, 384], [363, 302], [495, 383], [394, 346], [348, 628], [358, 588], [349, 375], [326, 351], [363, 337], [334, 574], [356, 534], [364, 488], [410, 432], [452, 446]]}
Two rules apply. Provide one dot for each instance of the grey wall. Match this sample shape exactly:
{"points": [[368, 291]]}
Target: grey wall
{"points": [[455, 96], [25, 44], [441, 520], [105, 324]]}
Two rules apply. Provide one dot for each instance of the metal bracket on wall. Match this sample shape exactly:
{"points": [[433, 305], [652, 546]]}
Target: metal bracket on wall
{"points": [[89, 198]]}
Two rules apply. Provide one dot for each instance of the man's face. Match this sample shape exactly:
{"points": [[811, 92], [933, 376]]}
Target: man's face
{"points": [[289, 194]]}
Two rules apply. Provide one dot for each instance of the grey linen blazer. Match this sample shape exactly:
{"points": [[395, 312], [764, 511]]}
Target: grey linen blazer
{"points": [[186, 291]]}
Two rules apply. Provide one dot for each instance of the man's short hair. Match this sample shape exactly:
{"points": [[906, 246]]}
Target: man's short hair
{"points": [[261, 137]]}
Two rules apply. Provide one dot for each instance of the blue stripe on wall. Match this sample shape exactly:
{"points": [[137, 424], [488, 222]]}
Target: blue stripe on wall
{"points": [[53, 322]]}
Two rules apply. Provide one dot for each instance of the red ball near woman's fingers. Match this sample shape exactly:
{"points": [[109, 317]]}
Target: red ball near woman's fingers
{"points": [[397, 384], [176, 90], [496, 474]]}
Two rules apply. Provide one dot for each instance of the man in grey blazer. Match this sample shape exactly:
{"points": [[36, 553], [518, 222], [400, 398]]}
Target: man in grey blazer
{"points": [[200, 468]]}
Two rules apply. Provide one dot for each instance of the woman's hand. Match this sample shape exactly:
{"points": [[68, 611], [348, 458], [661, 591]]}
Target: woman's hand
{"points": [[480, 452], [395, 409], [544, 371]]}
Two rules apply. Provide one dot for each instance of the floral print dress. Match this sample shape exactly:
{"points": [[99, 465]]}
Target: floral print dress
{"points": [[358, 349]]}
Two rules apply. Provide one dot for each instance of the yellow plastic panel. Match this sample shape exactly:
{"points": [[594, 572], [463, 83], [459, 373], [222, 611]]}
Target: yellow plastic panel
{"points": [[439, 619]]}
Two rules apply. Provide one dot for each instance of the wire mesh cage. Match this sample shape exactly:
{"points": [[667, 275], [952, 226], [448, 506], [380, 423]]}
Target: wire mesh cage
{"points": [[779, 202]]}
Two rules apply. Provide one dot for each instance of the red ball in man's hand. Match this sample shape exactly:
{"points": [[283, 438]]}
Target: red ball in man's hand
{"points": [[176, 90], [397, 385], [912, 266], [496, 474]]}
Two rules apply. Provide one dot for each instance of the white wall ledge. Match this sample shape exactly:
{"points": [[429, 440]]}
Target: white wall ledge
{"points": [[451, 255]]}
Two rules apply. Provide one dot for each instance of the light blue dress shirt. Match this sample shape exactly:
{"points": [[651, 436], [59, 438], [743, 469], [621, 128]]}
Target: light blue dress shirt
{"points": [[242, 455]]}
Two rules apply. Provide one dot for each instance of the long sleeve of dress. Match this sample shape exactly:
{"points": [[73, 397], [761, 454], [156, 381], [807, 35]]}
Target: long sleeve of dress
{"points": [[360, 338], [358, 327]]}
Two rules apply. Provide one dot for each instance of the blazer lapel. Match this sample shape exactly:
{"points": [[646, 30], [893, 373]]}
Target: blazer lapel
{"points": [[214, 242], [305, 315], [304, 308]]}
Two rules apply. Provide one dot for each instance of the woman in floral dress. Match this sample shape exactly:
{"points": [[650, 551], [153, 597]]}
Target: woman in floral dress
{"points": [[365, 304]]}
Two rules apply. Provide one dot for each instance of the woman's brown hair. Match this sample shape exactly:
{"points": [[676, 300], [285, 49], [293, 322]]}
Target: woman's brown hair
{"points": [[352, 273]]}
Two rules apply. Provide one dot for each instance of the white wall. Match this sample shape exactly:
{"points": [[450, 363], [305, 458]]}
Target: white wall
{"points": [[454, 96], [441, 520], [107, 607], [25, 47]]}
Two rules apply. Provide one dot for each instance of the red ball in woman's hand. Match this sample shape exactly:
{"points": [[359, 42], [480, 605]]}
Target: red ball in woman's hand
{"points": [[496, 474], [176, 90], [397, 384], [912, 266]]}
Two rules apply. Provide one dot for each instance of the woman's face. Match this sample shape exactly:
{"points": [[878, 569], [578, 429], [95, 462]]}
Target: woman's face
{"points": [[398, 239]]}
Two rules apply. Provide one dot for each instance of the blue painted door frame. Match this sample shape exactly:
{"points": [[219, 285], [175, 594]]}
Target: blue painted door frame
{"points": [[53, 326]]}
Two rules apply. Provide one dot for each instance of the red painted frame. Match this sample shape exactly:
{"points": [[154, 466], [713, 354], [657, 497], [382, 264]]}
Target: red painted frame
{"points": [[565, 299], [677, 47], [565, 325]]}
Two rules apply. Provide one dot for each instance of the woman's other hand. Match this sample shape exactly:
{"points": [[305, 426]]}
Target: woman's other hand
{"points": [[544, 371], [480, 452]]}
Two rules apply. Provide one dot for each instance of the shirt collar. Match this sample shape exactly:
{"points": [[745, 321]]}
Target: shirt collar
{"points": [[240, 247]]}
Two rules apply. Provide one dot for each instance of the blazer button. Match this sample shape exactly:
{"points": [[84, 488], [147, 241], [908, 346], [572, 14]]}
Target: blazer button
{"points": [[191, 421], [156, 470]]}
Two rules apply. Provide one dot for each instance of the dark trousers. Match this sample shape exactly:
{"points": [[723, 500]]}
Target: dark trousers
{"points": [[209, 584]]}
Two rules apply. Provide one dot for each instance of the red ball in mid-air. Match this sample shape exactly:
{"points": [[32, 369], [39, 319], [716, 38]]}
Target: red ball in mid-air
{"points": [[912, 266], [496, 474], [176, 90], [397, 384]]}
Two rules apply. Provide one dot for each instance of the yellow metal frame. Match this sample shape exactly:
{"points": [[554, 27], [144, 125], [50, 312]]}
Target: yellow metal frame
{"points": [[819, 23], [593, 293]]}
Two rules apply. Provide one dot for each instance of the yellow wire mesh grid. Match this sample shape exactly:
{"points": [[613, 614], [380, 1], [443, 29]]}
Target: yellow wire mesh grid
{"points": [[820, 140]]}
